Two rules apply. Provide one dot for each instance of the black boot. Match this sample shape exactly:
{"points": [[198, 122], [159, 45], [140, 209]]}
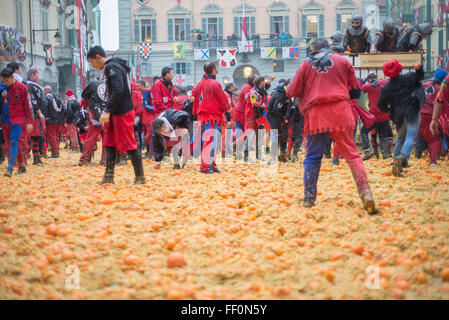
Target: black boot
{"points": [[111, 158], [136, 159], [21, 170]]}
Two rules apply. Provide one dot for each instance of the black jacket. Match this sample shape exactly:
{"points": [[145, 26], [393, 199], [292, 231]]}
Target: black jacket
{"points": [[398, 96], [54, 109], [119, 89], [73, 109], [278, 105], [177, 119], [83, 121], [95, 92], [37, 96]]}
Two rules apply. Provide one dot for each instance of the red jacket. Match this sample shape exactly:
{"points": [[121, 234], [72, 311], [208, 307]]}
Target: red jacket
{"points": [[322, 86], [163, 98], [373, 96], [19, 104], [254, 100], [148, 116], [431, 93], [239, 111], [181, 99], [137, 100], [210, 101]]}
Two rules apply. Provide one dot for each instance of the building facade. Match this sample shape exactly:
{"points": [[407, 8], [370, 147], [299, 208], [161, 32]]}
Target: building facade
{"points": [[268, 23], [30, 27]]}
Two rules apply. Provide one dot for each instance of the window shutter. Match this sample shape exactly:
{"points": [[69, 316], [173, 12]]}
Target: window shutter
{"points": [[220, 26], [187, 68], [271, 25], [286, 24], [253, 26], [321, 25], [136, 30], [339, 22], [304, 25], [236, 25], [440, 43], [187, 22], [204, 23], [153, 30], [170, 30]]}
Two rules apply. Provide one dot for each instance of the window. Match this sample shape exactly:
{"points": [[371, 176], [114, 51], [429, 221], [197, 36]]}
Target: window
{"points": [[44, 23], [279, 24], [145, 25], [312, 20], [250, 24], [18, 15], [212, 26], [181, 68], [212, 21], [312, 26], [178, 24], [145, 69], [345, 9]]}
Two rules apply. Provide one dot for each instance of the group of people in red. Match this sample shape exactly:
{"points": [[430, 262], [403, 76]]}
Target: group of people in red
{"points": [[128, 117]]}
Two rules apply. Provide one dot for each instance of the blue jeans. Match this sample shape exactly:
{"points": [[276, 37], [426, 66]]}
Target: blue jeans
{"points": [[16, 130], [211, 133], [406, 138]]}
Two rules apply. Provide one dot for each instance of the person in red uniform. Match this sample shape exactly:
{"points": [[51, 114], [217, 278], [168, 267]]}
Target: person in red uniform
{"points": [[148, 115], [440, 114], [239, 116], [382, 123], [118, 115], [20, 120], [71, 118], [210, 103], [54, 119], [137, 102], [163, 93], [94, 96], [434, 142], [324, 84], [254, 110]]}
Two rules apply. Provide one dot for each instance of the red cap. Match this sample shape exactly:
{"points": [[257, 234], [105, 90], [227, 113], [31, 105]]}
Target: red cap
{"points": [[392, 68], [69, 93]]}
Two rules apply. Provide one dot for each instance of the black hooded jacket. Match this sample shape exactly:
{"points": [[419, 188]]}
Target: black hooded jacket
{"points": [[54, 109], [95, 92], [400, 96], [177, 119], [73, 109], [278, 105], [119, 90]]}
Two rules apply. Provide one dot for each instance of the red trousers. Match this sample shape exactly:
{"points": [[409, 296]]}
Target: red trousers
{"points": [[120, 132], [53, 131], [72, 131], [89, 144], [433, 142]]}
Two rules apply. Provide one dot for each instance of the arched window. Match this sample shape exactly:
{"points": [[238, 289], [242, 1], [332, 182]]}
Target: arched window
{"points": [[345, 9], [279, 19], [212, 21], [250, 19], [312, 20], [178, 24], [145, 25]]}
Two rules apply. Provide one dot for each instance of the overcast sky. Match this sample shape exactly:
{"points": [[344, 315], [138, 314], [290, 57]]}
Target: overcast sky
{"points": [[109, 24]]}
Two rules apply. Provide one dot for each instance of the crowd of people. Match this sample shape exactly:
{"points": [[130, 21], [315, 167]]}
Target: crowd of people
{"points": [[317, 106]]}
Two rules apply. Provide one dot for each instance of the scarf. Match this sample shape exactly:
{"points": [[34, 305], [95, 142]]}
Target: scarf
{"points": [[209, 76], [231, 94], [261, 91], [167, 83]]}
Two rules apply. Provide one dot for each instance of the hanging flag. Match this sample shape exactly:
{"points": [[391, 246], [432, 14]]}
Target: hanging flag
{"points": [[268, 53], [227, 57], [446, 59], [180, 80], [133, 69], [201, 54], [416, 16], [145, 49], [138, 69], [440, 14], [246, 46], [446, 6], [290, 53], [48, 54], [179, 50]]}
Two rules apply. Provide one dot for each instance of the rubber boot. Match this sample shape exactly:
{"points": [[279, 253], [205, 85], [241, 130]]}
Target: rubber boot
{"points": [[398, 164], [368, 154], [364, 190], [111, 159], [136, 160]]}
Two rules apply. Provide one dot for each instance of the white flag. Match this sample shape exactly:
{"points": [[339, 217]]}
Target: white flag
{"points": [[246, 46], [201, 54]]}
